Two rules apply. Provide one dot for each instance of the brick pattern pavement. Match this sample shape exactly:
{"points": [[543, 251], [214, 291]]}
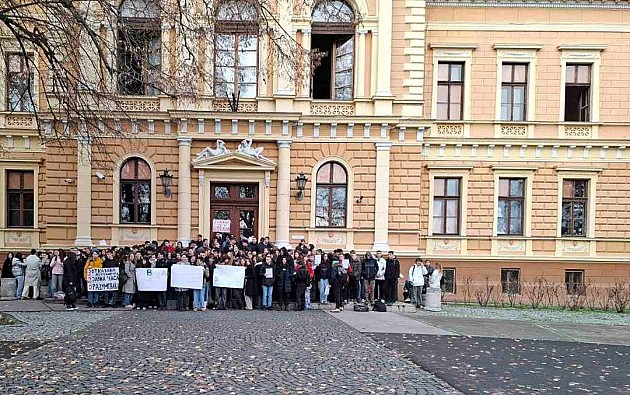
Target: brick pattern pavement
{"points": [[220, 351]]}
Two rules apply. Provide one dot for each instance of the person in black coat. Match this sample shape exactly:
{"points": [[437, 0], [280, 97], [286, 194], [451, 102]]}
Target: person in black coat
{"points": [[302, 278], [7, 266], [71, 276], [392, 273], [284, 276], [250, 285]]}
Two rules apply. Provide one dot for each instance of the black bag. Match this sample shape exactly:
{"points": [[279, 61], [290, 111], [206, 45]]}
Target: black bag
{"points": [[46, 272], [123, 277], [361, 308], [71, 294], [379, 306]]}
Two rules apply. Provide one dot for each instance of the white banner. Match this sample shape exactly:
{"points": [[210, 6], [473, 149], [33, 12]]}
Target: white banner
{"points": [[186, 276], [221, 225], [229, 276], [152, 279], [104, 279]]}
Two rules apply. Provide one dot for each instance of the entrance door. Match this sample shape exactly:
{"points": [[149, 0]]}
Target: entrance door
{"points": [[234, 209]]}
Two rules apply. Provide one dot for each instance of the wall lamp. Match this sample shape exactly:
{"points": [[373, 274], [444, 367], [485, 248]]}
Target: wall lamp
{"points": [[167, 180], [300, 181]]}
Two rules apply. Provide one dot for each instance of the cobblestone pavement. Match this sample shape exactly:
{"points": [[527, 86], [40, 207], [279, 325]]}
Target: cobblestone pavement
{"points": [[42, 326], [221, 351], [578, 317], [477, 365]]}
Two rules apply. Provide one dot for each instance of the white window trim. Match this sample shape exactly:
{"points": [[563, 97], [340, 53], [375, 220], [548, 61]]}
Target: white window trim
{"points": [[3, 194], [589, 175], [517, 53], [528, 175], [461, 53], [14, 48], [349, 191], [116, 190], [581, 55], [462, 172]]}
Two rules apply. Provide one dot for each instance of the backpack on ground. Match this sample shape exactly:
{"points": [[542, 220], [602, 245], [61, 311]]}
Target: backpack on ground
{"points": [[361, 308], [379, 306], [71, 295]]}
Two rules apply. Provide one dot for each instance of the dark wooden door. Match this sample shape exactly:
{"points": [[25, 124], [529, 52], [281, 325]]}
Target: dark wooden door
{"points": [[236, 203]]}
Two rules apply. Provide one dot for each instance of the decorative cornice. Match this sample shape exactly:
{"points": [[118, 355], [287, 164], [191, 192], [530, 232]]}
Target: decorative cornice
{"points": [[452, 46], [535, 47], [582, 47], [609, 4]]}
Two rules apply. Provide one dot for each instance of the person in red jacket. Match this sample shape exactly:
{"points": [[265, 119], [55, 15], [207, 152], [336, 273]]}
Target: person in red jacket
{"points": [[167, 247]]}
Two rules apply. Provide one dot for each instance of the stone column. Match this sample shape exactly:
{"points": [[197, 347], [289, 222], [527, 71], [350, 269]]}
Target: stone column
{"points": [[381, 206], [306, 77], [84, 191], [283, 198], [184, 191]]}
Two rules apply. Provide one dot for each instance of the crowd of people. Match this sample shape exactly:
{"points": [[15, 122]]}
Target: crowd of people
{"points": [[273, 276]]}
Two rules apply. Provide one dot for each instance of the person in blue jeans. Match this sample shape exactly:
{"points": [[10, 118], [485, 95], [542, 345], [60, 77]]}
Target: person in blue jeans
{"points": [[268, 278], [324, 279]]}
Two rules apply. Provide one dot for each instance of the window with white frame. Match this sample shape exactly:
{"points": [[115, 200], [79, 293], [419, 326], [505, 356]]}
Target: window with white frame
{"points": [[450, 94], [514, 91], [577, 93]]}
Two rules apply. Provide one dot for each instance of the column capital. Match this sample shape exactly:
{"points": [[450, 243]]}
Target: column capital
{"points": [[383, 145], [362, 32], [284, 143], [184, 141]]}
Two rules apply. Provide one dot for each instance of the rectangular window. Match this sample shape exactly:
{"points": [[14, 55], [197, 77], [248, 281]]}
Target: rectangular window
{"points": [[574, 281], [577, 97], [20, 79], [450, 94], [139, 59], [333, 62], [236, 65], [511, 281], [446, 206], [510, 208], [514, 92], [574, 203], [20, 199], [448, 274]]}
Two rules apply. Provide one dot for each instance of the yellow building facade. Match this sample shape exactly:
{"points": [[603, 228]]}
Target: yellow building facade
{"points": [[487, 136]]}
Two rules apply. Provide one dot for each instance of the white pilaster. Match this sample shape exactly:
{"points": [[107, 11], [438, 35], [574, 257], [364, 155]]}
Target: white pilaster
{"points": [[283, 198], [84, 192], [184, 191], [381, 202]]}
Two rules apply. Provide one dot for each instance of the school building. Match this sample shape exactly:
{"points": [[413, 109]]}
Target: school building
{"points": [[489, 136]]}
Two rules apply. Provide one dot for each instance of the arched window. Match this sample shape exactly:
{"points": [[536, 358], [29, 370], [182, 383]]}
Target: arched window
{"points": [[139, 47], [332, 48], [135, 192], [236, 50], [331, 196]]}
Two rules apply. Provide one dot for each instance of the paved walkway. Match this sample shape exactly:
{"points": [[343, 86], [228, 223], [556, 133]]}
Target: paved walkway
{"points": [[225, 352]]}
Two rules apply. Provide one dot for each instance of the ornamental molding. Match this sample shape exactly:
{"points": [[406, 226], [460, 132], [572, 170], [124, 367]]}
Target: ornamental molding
{"points": [[449, 130], [333, 109], [19, 120], [578, 132], [139, 105], [513, 131], [224, 106], [613, 4]]}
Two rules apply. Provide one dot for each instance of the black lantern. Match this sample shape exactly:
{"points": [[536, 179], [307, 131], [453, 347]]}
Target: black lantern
{"points": [[300, 180], [166, 179]]}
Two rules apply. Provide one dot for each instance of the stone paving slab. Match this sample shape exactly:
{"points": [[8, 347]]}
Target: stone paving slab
{"points": [[375, 322], [42, 326], [481, 365], [231, 352], [534, 330]]}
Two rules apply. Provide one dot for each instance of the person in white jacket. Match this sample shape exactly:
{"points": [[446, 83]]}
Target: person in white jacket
{"points": [[417, 271], [32, 275], [381, 263]]}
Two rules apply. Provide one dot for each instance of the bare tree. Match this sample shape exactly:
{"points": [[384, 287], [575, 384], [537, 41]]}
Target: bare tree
{"points": [[84, 57]]}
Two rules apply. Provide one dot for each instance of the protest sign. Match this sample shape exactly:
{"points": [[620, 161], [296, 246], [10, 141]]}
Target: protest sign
{"points": [[318, 260], [151, 279], [229, 276], [103, 279], [186, 276], [221, 225]]}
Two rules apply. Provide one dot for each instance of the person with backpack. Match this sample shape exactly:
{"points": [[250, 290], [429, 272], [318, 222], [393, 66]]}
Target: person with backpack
{"points": [[17, 269], [302, 279], [417, 271], [369, 269], [392, 273]]}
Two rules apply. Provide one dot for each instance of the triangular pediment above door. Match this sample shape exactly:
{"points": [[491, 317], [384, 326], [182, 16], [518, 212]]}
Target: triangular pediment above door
{"points": [[234, 161]]}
